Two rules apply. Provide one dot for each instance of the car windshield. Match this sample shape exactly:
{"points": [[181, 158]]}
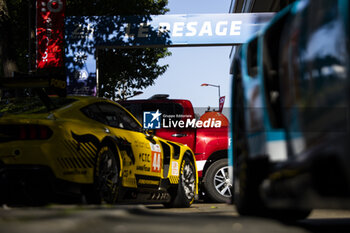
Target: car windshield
{"points": [[30, 105]]}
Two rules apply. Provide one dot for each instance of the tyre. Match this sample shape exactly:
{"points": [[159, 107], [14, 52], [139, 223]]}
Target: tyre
{"points": [[217, 183], [184, 195], [248, 178], [106, 178], [248, 174]]}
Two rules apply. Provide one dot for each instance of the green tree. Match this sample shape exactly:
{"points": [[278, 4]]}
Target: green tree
{"points": [[122, 71], [14, 36]]}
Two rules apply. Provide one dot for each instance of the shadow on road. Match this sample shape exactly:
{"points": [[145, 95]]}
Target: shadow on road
{"points": [[314, 225], [200, 218], [325, 225]]}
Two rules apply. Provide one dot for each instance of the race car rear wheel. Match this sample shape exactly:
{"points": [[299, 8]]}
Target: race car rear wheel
{"points": [[217, 183], [106, 178], [185, 194]]}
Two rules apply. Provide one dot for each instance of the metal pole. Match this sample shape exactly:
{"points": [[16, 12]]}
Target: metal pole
{"points": [[218, 86], [97, 74], [219, 95]]}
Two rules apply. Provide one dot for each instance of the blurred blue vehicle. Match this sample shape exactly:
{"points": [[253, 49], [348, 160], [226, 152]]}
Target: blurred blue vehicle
{"points": [[290, 148]]}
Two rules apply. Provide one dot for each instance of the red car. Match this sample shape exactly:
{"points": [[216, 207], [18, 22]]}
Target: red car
{"points": [[210, 144]]}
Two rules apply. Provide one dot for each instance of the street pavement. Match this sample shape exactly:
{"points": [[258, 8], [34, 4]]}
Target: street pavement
{"points": [[201, 218]]}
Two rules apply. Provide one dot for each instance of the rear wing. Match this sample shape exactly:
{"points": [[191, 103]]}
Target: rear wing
{"points": [[42, 85], [33, 82]]}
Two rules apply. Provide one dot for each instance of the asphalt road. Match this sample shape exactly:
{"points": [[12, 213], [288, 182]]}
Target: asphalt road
{"points": [[200, 217]]}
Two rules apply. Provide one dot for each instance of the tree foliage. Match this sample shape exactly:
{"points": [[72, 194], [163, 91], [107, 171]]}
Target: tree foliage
{"points": [[116, 7], [14, 36], [122, 71], [131, 66]]}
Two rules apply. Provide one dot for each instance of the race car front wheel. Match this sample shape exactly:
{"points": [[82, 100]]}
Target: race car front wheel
{"points": [[185, 193], [106, 178]]}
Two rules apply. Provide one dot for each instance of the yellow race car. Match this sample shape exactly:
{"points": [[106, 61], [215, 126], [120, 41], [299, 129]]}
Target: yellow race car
{"points": [[89, 148]]}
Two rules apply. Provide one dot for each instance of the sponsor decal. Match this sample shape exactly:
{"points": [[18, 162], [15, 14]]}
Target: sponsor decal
{"points": [[174, 168], [143, 168], [145, 158], [141, 144], [155, 147], [150, 182]]}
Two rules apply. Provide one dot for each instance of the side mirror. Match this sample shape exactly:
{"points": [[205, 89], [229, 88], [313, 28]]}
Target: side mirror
{"points": [[149, 133]]}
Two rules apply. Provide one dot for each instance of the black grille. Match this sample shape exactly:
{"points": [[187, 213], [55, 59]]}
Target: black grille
{"points": [[177, 149], [166, 160]]}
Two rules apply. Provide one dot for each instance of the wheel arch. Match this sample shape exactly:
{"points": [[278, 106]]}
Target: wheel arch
{"points": [[113, 144], [189, 154], [215, 156]]}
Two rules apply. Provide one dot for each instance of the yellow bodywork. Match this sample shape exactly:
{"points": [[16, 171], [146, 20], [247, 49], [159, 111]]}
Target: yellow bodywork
{"points": [[71, 150]]}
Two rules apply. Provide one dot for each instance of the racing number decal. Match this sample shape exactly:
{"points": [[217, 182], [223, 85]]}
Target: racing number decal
{"points": [[156, 157], [155, 161]]}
